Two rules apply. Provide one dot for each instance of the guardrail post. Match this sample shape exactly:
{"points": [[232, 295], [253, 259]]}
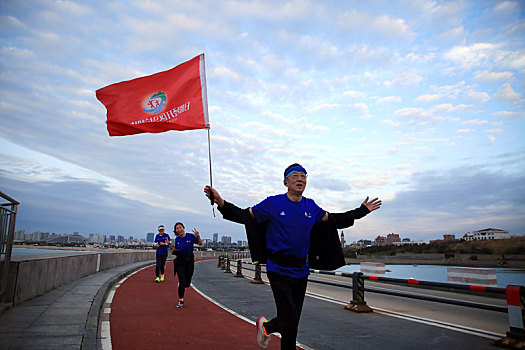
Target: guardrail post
{"points": [[257, 279], [515, 338], [358, 303], [228, 270], [223, 263], [219, 262], [239, 269]]}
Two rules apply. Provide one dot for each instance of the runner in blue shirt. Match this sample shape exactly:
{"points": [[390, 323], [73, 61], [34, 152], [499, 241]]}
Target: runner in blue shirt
{"points": [[290, 218], [162, 241], [184, 263]]}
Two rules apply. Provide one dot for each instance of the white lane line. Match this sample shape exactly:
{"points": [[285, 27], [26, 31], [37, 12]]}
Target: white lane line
{"points": [[105, 327], [452, 326]]}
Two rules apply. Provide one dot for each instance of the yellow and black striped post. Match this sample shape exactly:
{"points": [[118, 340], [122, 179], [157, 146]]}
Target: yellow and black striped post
{"points": [[358, 303], [228, 270], [257, 279], [239, 269]]}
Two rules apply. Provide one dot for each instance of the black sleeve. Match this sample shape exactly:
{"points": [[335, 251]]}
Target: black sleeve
{"points": [[346, 219], [233, 213]]}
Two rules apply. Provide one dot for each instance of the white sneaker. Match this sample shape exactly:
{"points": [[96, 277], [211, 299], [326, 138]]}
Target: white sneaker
{"points": [[262, 337], [180, 305]]}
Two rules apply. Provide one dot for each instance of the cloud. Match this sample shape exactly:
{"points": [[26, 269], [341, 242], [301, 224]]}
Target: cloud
{"points": [[475, 122], [428, 98], [390, 99], [354, 94], [506, 92], [405, 79], [86, 207], [456, 198], [492, 77]]}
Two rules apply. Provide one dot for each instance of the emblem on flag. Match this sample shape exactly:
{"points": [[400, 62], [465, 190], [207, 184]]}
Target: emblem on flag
{"points": [[155, 103]]}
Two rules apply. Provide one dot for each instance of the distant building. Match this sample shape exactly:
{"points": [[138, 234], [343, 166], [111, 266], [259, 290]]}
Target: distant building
{"points": [[215, 237], [76, 238], [448, 238], [226, 240], [150, 236], [485, 234], [380, 240], [99, 239], [392, 238]]}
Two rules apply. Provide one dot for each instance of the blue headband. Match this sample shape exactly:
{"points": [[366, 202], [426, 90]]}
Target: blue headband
{"points": [[294, 169]]}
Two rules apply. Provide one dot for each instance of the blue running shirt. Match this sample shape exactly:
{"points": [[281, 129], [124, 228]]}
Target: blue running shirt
{"points": [[288, 230], [163, 249], [185, 244]]}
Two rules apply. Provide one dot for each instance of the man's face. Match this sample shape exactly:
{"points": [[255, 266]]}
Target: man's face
{"points": [[296, 182], [161, 231]]}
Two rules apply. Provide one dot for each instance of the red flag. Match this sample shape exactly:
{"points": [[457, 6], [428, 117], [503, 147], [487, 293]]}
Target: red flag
{"points": [[171, 100]]}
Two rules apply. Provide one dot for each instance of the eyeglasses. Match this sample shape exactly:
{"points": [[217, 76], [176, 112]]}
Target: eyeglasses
{"points": [[297, 176]]}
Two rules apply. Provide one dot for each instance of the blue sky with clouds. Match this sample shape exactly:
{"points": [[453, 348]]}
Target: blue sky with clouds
{"points": [[421, 103]]}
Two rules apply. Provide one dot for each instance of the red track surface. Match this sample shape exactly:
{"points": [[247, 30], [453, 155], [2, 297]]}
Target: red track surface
{"points": [[139, 321]]}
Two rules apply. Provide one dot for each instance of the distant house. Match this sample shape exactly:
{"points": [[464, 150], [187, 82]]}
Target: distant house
{"points": [[380, 240], [485, 234], [392, 238]]}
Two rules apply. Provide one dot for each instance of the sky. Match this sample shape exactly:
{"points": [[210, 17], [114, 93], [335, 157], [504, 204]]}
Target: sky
{"points": [[420, 103]]}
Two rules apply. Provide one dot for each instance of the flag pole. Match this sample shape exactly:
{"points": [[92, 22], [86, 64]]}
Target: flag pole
{"points": [[211, 177]]}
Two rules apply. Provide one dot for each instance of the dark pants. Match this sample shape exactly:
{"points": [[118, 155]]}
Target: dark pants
{"points": [[288, 293], [161, 261], [183, 268]]}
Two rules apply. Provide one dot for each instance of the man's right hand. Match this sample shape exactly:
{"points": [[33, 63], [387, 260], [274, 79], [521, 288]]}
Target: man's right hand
{"points": [[208, 190]]}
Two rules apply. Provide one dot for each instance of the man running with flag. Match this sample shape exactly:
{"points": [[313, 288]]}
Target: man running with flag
{"points": [[280, 230]]}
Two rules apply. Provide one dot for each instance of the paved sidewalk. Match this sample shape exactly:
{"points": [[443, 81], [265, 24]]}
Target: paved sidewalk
{"points": [[64, 318]]}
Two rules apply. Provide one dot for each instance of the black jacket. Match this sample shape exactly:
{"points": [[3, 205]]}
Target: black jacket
{"points": [[325, 246]]}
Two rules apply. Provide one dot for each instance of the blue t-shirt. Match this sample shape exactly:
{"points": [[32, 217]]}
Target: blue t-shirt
{"points": [[163, 249], [185, 244], [288, 230]]}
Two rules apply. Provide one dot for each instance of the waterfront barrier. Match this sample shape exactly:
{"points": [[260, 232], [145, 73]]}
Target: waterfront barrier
{"points": [[33, 276], [373, 268], [515, 338], [469, 275]]}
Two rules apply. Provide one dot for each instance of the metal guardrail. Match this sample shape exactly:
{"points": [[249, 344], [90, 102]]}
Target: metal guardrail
{"points": [[7, 232]]}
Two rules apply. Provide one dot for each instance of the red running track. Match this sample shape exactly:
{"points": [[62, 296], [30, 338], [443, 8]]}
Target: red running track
{"points": [[144, 316]]}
